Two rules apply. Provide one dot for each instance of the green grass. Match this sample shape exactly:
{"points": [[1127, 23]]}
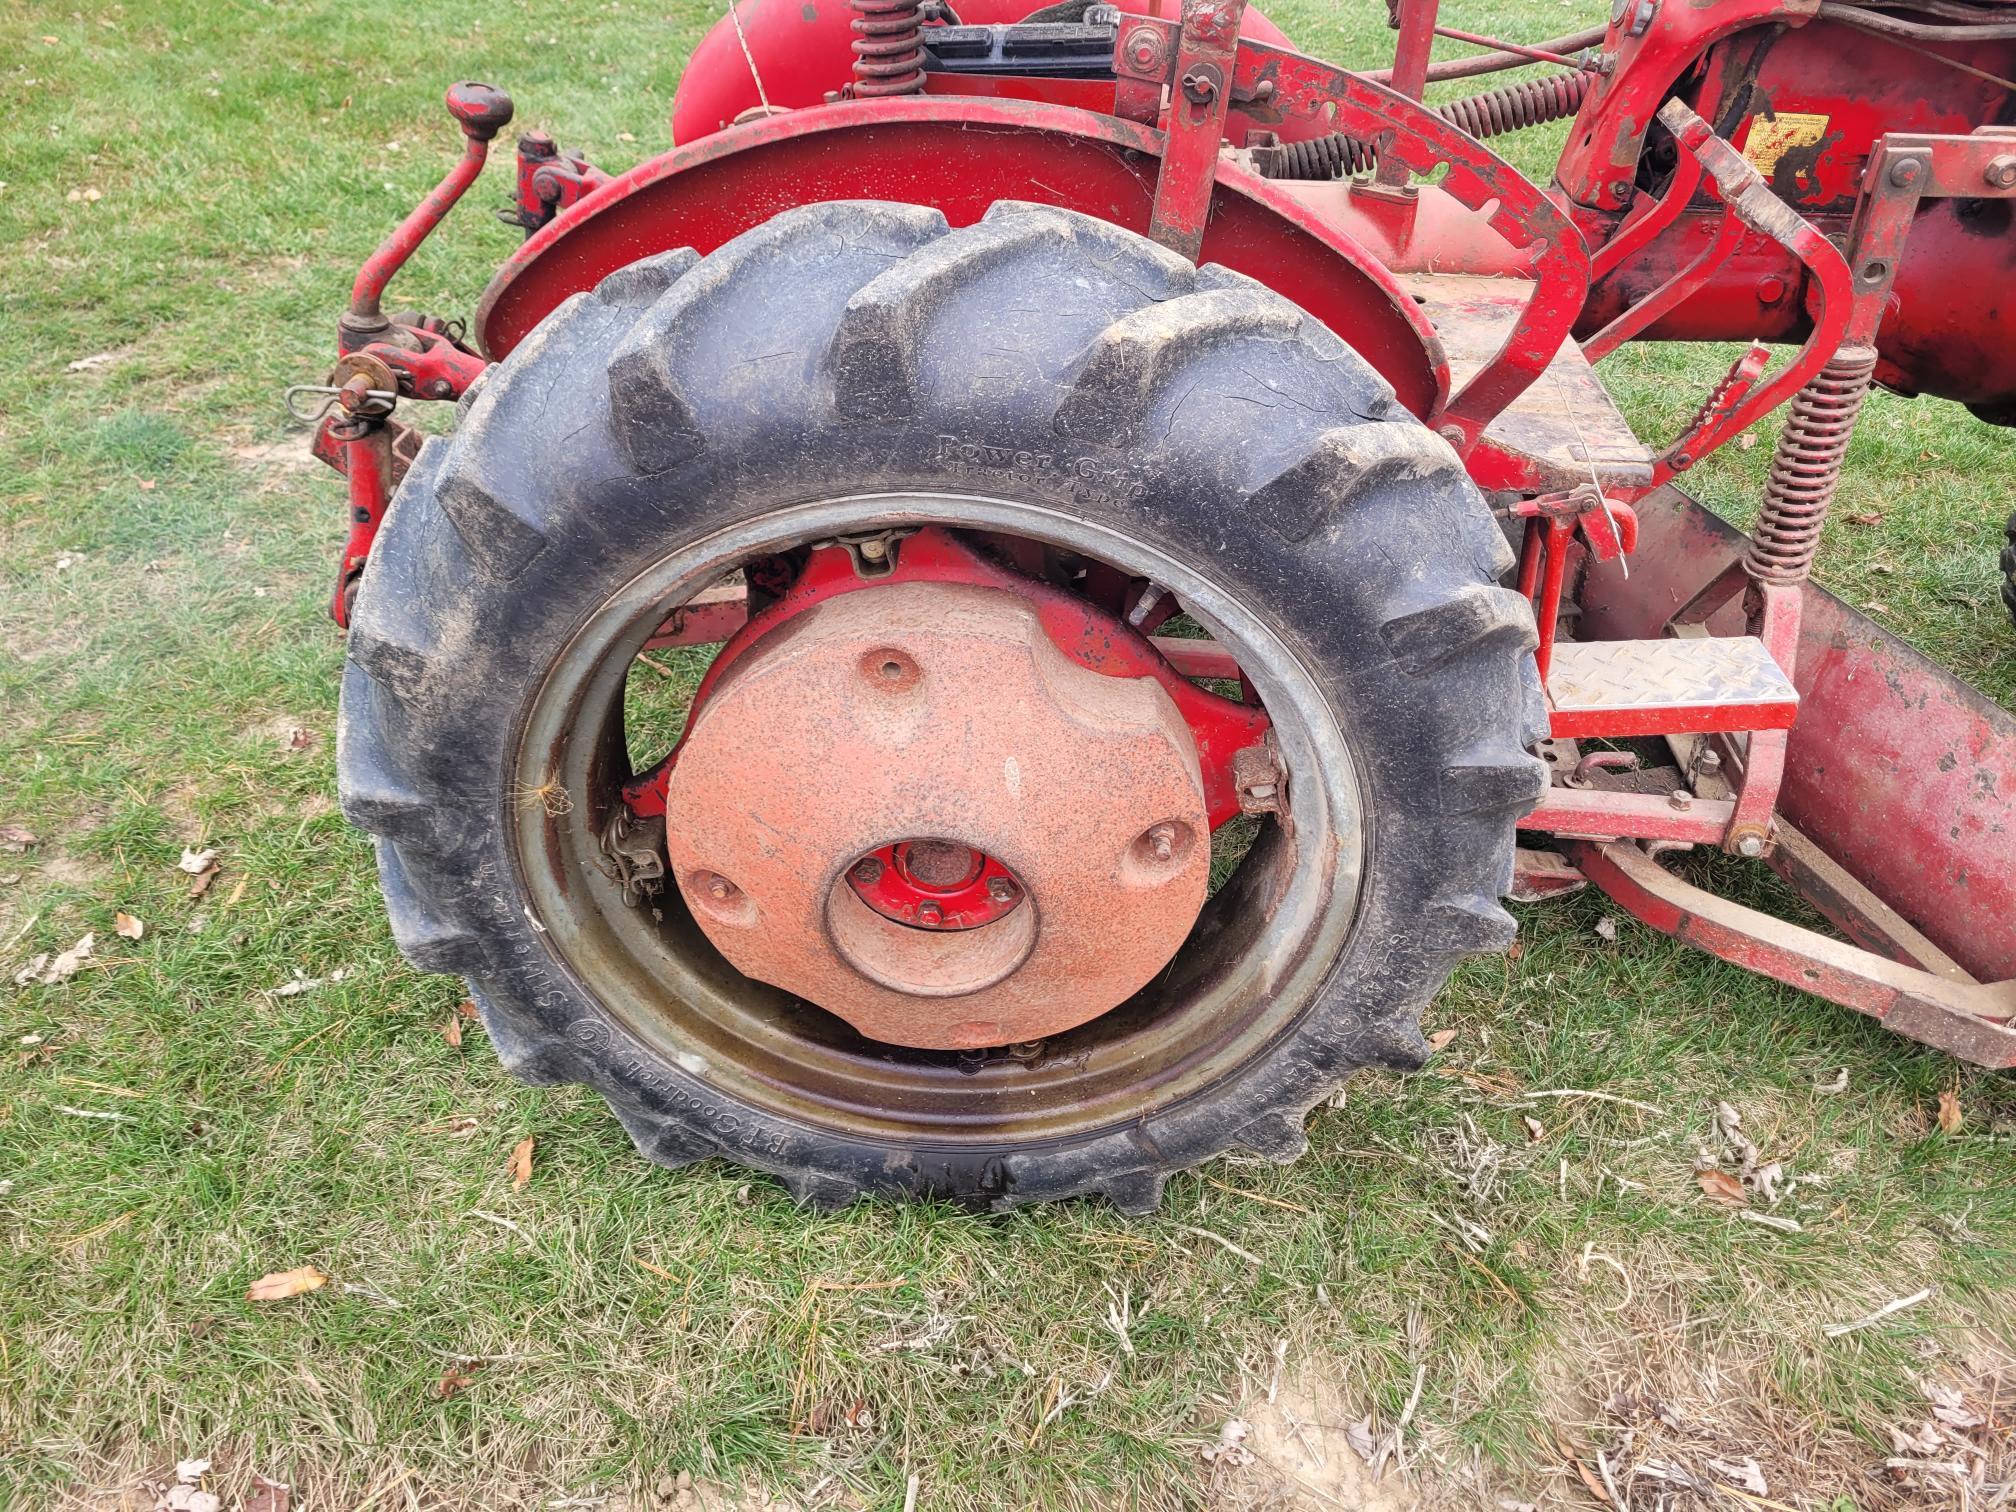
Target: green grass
{"points": [[163, 573]]}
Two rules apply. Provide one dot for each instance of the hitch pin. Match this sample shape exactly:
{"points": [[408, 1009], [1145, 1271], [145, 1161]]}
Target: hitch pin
{"points": [[331, 396]]}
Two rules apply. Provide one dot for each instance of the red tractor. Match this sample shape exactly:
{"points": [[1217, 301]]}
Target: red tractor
{"points": [[1170, 562]]}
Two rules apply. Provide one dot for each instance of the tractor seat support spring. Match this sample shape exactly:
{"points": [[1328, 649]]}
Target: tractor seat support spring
{"points": [[888, 48], [1806, 468], [1530, 102]]}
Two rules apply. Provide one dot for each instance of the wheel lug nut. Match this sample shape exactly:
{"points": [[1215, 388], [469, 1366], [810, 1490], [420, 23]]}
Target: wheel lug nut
{"points": [[1000, 889], [867, 870], [1162, 841], [930, 914], [715, 886]]}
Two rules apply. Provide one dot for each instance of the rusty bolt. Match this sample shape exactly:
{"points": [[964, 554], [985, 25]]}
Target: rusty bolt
{"points": [[1709, 761], [1751, 846], [874, 550], [1681, 799], [440, 388], [2001, 171], [930, 914], [1453, 434], [867, 870], [1906, 171], [1000, 889], [719, 888], [1161, 840]]}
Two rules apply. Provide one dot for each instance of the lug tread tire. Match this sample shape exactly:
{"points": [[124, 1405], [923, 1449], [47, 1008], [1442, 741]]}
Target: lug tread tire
{"points": [[845, 348], [2009, 568]]}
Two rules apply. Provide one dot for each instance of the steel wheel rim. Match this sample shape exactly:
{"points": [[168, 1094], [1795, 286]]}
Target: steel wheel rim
{"points": [[1213, 1010]]}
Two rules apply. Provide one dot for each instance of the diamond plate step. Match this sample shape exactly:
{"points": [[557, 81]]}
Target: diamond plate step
{"points": [[1667, 687]]}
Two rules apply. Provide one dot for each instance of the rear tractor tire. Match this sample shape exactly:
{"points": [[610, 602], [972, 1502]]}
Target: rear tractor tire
{"points": [[1082, 417]]}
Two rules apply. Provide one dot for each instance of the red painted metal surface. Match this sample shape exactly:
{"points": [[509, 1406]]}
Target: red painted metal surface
{"points": [[939, 712], [1088, 635], [960, 155], [1895, 768], [801, 50]]}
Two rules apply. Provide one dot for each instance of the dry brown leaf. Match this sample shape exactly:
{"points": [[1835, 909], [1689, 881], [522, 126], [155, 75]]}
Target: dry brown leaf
{"points": [[200, 883], [1515, 950], [300, 739], [1870, 518], [457, 1379], [279, 1285], [1535, 1130], [269, 1496], [16, 839], [1949, 1111], [127, 927], [451, 1031], [67, 964], [520, 1164], [1721, 1187], [467, 1009], [1440, 1039], [196, 862], [1589, 1477]]}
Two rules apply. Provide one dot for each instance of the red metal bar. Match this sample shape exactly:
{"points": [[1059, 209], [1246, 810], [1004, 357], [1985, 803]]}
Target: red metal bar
{"points": [[1199, 97], [1965, 1020], [482, 112], [1607, 813], [1642, 229], [1669, 295], [1415, 20], [1553, 574], [368, 467], [1537, 54], [1751, 200]]}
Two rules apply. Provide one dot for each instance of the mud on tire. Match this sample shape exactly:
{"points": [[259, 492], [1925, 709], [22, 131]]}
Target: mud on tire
{"points": [[861, 348]]}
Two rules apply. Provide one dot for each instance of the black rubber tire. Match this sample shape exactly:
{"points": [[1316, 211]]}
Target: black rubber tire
{"points": [[2009, 568], [629, 423]]}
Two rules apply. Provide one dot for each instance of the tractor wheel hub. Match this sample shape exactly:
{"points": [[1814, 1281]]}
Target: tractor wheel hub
{"points": [[908, 806]]}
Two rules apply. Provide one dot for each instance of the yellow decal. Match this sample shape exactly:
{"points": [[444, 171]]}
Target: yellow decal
{"points": [[1771, 137]]}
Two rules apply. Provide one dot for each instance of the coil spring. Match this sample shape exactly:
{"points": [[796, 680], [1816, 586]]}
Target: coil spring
{"points": [[888, 52], [1806, 468], [1530, 102]]}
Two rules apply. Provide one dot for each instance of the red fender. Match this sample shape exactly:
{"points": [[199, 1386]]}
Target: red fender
{"points": [[960, 155], [801, 49]]}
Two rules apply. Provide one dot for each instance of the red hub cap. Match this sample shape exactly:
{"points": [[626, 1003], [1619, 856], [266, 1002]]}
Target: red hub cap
{"points": [[935, 884]]}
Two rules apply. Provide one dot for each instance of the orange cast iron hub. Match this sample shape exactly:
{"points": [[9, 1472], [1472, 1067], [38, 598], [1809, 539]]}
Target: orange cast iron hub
{"points": [[909, 807]]}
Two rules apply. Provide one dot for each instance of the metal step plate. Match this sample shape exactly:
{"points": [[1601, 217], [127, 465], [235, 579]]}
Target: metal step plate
{"points": [[1667, 687]]}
